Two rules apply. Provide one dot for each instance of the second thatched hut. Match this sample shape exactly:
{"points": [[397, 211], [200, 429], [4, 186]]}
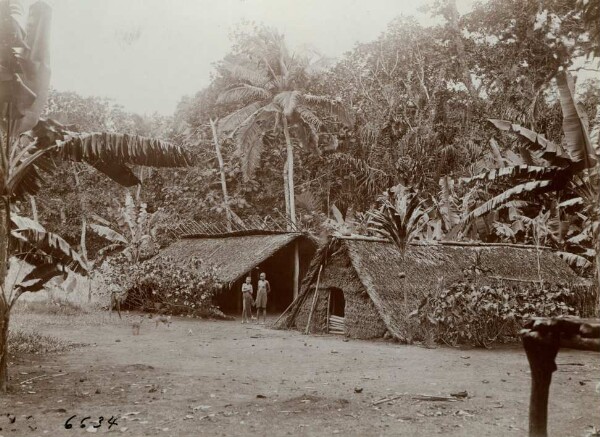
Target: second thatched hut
{"points": [[361, 284]]}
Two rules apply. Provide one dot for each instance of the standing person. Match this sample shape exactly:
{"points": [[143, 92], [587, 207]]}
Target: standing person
{"points": [[247, 300], [262, 290]]}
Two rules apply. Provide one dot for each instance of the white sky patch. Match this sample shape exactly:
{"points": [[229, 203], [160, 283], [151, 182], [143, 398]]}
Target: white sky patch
{"points": [[147, 54]]}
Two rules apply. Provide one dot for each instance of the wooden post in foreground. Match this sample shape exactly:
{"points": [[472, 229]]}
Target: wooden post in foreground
{"points": [[542, 338], [541, 355]]}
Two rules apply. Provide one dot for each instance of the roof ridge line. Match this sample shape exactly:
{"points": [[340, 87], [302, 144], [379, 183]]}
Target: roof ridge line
{"points": [[440, 243], [245, 233]]}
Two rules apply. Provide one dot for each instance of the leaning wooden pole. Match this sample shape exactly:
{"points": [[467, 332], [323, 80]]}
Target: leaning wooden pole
{"points": [[314, 302]]}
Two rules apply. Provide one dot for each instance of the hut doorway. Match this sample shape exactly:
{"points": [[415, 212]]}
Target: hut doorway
{"points": [[280, 274], [336, 321], [279, 269], [337, 303]]}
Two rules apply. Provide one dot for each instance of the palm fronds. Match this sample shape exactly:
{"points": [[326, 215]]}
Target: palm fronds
{"points": [[243, 93], [515, 172], [236, 118], [401, 217], [243, 70]]}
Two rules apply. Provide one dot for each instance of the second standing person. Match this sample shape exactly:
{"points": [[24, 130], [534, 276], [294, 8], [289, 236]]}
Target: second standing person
{"points": [[262, 290]]}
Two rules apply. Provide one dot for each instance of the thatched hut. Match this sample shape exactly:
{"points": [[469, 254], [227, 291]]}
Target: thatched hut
{"points": [[283, 256], [363, 282]]}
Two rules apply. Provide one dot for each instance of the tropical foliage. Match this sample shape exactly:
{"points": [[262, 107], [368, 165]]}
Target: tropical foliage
{"points": [[479, 315], [572, 173], [135, 231], [162, 285], [271, 87], [473, 121], [401, 216], [31, 148]]}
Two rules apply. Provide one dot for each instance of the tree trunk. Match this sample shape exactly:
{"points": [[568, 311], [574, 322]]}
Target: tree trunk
{"points": [[452, 18], [4, 321], [34, 210], [213, 126], [138, 191], [597, 247], [4, 252], [286, 192], [290, 175], [4, 303], [82, 245]]}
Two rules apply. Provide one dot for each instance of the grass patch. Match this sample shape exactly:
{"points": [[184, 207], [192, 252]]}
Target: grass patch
{"points": [[56, 308], [27, 342]]}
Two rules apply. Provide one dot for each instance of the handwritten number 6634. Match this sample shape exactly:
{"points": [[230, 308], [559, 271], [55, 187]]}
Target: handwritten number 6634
{"points": [[68, 425]]}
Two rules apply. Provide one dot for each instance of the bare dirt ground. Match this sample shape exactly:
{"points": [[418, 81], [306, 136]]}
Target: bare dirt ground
{"points": [[229, 379]]}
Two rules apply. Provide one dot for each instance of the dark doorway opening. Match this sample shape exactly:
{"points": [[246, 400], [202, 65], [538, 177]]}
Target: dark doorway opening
{"points": [[279, 269], [337, 303]]}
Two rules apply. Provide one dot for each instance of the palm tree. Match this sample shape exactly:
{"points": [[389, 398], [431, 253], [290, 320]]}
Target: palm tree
{"points": [[32, 147], [571, 172], [270, 86]]}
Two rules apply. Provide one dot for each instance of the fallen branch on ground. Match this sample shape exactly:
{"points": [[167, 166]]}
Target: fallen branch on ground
{"points": [[434, 398], [42, 376], [381, 401]]}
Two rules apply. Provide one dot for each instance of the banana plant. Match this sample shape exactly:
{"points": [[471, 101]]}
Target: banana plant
{"points": [[570, 169], [32, 147], [135, 230]]}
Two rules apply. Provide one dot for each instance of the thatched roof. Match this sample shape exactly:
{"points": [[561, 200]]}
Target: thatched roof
{"points": [[233, 255], [386, 277]]}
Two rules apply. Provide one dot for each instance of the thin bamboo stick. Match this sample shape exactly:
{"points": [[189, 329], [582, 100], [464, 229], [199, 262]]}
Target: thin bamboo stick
{"points": [[314, 302]]}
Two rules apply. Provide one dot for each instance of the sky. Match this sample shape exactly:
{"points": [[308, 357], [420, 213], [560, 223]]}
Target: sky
{"points": [[147, 54]]}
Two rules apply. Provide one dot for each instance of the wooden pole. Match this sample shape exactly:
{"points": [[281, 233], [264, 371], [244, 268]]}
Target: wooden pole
{"points": [[314, 302], [542, 338], [541, 356], [328, 306], [296, 268]]}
